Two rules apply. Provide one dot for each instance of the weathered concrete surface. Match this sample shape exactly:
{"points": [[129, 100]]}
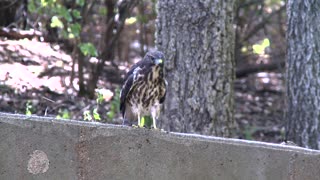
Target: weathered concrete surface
{"points": [[45, 149]]}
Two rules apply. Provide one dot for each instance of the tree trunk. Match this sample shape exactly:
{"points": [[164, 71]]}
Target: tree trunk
{"points": [[303, 72], [8, 10], [197, 38], [110, 37]]}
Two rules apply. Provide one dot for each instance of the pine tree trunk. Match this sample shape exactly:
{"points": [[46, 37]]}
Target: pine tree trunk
{"points": [[303, 72], [197, 38]]}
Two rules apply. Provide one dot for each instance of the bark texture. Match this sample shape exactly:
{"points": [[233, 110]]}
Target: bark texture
{"points": [[303, 72], [197, 38]]}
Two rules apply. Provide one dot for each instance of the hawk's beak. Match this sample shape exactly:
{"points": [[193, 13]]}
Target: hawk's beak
{"points": [[159, 61]]}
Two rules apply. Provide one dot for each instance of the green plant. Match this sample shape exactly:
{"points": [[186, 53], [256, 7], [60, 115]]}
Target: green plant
{"points": [[114, 105], [248, 132], [87, 115], [63, 114], [88, 49], [94, 116], [29, 108], [259, 48], [283, 133], [101, 94], [146, 121], [67, 20]]}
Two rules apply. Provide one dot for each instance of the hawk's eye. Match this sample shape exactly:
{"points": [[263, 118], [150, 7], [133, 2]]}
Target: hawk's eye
{"points": [[153, 59]]}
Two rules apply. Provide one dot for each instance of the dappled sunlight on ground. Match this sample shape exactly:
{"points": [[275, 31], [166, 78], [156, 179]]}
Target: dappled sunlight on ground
{"points": [[25, 60], [39, 73], [19, 76], [260, 106]]}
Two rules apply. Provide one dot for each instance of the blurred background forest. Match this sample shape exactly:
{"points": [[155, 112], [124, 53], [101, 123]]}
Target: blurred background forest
{"points": [[54, 53]]}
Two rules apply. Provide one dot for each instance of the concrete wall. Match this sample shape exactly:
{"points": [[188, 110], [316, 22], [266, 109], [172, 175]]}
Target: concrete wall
{"points": [[45, 149]]}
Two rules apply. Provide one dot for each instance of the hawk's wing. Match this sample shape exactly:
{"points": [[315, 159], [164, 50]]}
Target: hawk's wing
{"points": [[124, 92], [128, 85], [139, 64], [165, 92]]}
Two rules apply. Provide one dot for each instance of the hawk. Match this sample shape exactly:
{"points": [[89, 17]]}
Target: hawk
{"points": [[144, 89]]}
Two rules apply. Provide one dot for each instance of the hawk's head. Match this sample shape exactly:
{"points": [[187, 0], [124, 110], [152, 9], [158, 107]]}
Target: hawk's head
{"points": [[155, 57]]}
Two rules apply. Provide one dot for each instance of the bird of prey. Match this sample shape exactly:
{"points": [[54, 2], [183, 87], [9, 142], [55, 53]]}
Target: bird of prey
{"points": [[144, 89]]}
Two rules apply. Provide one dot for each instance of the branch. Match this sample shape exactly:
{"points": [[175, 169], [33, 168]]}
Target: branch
{"points": [[243, 72], [9, 5], [19, 34]]}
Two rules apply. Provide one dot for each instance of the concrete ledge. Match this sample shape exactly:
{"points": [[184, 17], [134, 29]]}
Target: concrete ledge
{"points": [[45, 148]]}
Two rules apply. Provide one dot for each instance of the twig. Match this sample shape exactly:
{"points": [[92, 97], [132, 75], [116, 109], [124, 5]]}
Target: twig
{"points": [[48, 99]]}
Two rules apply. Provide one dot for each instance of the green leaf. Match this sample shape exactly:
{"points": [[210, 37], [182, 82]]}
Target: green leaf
{"points": [[71, 36], [87, 115], [66, 114], [131, 20], [116, 100], [266, 43], [99, 98], [45, 3], [31, 7], [28, 113], [88, 49], [273, 2], [259, 48], [64, 33], [63, 12], [248, 132], [76, 14], [55, 22], [96, 115], [110, 114], [28, 108], [80, 2], [75, 29], [103, 11], [146, 121], [142, 18]]}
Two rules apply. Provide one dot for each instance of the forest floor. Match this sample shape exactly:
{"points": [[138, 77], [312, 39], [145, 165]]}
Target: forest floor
{"points": [[35, 76]]}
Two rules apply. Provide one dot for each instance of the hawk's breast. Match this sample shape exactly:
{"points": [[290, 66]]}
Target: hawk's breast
{"points": [[148, 89]]}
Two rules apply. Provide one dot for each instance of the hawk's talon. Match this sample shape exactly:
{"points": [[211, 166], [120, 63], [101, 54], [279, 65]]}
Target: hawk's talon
{"points": [[137, 126]]}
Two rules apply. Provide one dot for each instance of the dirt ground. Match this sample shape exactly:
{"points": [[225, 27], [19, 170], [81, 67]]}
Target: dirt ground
{"points": [[35, 76]]}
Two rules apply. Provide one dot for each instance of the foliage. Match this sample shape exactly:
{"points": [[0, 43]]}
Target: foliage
{"points": [[256, 20], [87, 115], [260, 48], [29, 108], [248, 132], [68, 20], [254, 23], [115, 105], [146, 121], [103, 95], [88, 49], [94, 116], [63, 114]]}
